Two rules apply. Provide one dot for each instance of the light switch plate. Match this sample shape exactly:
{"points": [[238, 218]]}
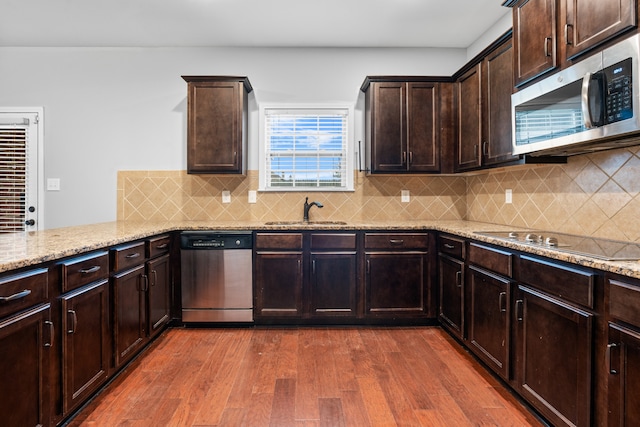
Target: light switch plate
{"points": [[226, 196], [508, 196], [252, 196], [405, 196], [53, 184]]}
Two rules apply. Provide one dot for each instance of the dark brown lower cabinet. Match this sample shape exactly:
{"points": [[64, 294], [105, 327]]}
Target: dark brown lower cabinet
{"points": [[396, 284], [554, 355], [623, 360], [25, 343], [129, 299], [159, 293], [489, 319], [333, 284], [452, 294], [278, 284], [85, 342]]}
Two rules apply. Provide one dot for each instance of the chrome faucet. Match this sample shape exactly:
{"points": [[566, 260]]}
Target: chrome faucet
{"points": [[308, 206]]}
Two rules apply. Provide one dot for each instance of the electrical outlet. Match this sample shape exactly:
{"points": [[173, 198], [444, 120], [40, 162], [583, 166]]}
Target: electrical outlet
{"points": [[508, 196], [226, 196], [252, 196], [53, 184], [405, 196]]}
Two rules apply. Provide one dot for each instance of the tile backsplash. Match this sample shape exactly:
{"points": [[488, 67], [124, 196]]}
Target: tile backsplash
{"points": [[596, 194]]}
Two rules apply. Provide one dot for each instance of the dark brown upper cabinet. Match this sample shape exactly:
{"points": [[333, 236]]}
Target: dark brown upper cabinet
{"points": [[483, 100], [404, 120], [217, 124], [591, 22], [549, 34]]}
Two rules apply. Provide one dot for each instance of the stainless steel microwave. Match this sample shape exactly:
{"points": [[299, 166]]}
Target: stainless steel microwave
{"points": [[592, 105]]}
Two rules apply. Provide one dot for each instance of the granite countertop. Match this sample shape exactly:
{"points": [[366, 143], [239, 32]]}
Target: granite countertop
{"points": [[18, 250]]}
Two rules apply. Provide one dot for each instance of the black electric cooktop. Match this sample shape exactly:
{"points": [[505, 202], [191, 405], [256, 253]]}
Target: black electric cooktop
{"points": [[604, 249]]}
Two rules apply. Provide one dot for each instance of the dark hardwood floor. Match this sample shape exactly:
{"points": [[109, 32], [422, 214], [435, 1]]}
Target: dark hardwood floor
{"points": [[305, 377]]}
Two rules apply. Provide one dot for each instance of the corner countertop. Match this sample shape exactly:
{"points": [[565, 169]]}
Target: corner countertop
{"points": [[18, 250]]}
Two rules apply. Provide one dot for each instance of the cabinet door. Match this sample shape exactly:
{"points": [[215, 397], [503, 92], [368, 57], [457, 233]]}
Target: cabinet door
{"points": [[85, 343], [389, 139], [396, 284], [623, 356], [554, 347], [489, 321], [333, 284], [129, 290], [215, 127], [469, 119], [422, 127], [25, 342], [534, 36], [452, 295], [278, 284], [498, 74], [591, 22], [159, 293]]}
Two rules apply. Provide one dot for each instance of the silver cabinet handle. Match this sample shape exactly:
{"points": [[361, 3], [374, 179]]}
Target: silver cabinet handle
{"points": [[133, 255], [566, 34], [74, 321], [16, 296], [162, 246], [502, 302], [51, 333], [608, 358], [547, 43], [459, 279], [90, 270], [519, 309], [448, 246], [396, 241]]}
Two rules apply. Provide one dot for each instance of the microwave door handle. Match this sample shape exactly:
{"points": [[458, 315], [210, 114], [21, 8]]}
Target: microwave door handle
{"points": [[584, 98]]}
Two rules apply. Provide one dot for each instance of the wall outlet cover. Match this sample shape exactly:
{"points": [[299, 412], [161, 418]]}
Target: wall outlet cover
{"points": [[508, 196], [226, 196], [252, 197], [53, 184], [405, 196]]}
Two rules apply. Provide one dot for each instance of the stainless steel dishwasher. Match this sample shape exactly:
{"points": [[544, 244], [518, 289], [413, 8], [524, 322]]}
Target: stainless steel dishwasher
{"points": [[216, 276]]}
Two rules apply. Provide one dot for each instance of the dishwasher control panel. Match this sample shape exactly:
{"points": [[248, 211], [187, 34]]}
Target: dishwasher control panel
{"points": [[213, 240]]}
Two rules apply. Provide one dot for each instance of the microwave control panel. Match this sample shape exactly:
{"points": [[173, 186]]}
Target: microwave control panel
{"points": [[618, 91]]}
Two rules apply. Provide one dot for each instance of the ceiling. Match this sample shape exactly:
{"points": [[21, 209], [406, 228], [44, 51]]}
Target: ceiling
{"points": [[247, 23]]}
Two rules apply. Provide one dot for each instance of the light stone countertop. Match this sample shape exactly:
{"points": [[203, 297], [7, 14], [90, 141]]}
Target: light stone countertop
{"points": [[18, 250]]}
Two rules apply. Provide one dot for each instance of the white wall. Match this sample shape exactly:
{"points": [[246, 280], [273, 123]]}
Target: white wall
{"points": [[503, 25], [110, 109]]}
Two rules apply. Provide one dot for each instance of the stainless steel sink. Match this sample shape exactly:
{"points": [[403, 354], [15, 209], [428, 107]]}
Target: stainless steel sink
{"points": [[305, 222]]}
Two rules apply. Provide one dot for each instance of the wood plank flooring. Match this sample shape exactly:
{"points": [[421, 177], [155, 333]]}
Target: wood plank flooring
{"points": [[305, 377]]}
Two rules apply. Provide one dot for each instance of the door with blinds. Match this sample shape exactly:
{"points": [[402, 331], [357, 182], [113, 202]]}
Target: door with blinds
{"points": [[20, 136]]}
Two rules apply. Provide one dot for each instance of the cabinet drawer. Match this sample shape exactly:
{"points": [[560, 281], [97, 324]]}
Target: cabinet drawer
{"points": [[333, 241], [396, 241], [451, 246], [278, 241], [80, 271], [492, 259], [568, 283], [127, 256], [624, 300], [23, 290], [158, 245]]}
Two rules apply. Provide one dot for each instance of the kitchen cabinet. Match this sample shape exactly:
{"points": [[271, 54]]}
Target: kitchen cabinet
{"points": [[305, 275], [588, 23], [451, 255], [551, 33], [404, 124], [397, 275], [333, 275], [86, 341], [158, 271], [129, 286], [554, 339], [534, 38], [278, 275], [26, 340], [217, 114], [623, 351], [483, 100], [489, 307]]}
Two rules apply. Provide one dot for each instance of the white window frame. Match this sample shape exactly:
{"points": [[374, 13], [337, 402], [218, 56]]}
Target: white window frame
{"points": [[301, 108], [35, 146]]}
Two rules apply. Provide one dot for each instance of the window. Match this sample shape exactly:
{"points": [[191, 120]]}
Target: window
{"points": [[306, 148], [20, 137]]}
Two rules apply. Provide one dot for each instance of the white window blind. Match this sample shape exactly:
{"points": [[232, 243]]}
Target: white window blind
{"points": [[306, 149], [13, 177]]}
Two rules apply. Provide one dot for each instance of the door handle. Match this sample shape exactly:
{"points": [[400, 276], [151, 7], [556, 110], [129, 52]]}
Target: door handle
{"points": [[608, 358], [459, 279], [519, 310], [502, 298], [51, 333], [73, 323]]}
